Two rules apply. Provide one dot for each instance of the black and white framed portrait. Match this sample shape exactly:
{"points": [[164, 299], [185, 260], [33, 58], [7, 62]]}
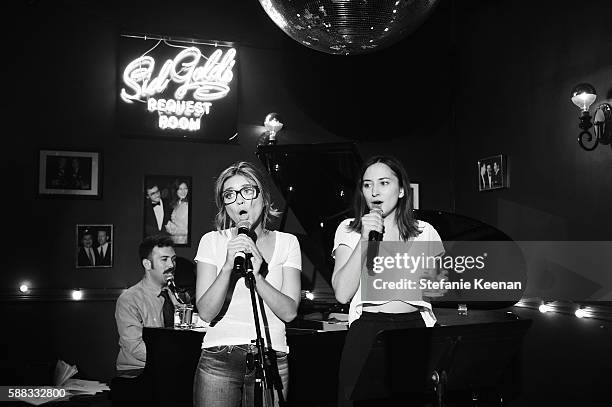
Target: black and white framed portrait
{"points": [[492, 173], [167, 207], [94, 246], [69, 174]]}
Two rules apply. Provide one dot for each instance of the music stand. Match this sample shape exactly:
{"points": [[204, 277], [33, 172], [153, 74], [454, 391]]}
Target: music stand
{"points": [[435, 360], [172, 359]]}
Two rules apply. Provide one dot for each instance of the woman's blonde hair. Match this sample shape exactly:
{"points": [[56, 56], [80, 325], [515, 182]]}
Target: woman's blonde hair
{"points": [[254, 175]]}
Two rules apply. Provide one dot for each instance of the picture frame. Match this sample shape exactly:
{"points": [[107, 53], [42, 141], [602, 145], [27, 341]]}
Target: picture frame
{"points": [[492, 173], [94, 246], [172, 216], [414, 189], [72, 174]]}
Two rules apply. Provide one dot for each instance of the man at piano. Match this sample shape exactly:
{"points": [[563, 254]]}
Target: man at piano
{"points": [[147, 303], [383, 209]]}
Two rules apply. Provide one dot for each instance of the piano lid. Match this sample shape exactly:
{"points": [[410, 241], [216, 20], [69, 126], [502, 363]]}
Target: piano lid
{"points": [[318, 182]]}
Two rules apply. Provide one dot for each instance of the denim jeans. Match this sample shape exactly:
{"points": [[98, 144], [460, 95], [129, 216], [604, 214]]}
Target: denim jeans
{"points": [[223, 378]]}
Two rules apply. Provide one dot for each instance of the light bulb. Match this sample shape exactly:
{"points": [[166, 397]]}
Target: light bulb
{"points": [[544, 308], [583, 96], [273, 122], [77, 295], [581, 313]]}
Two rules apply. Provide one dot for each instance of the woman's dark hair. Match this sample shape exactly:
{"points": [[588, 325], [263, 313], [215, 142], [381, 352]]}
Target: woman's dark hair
{"points": [[175, 186], [404, 218], [150, 242]]}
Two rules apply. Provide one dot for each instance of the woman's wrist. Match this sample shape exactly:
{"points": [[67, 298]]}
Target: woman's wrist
{"points": [[227, 268], [258, 277]]}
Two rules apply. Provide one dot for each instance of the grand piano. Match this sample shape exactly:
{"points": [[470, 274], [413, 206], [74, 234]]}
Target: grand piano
{"points": [[469, 353], [317, 183]]}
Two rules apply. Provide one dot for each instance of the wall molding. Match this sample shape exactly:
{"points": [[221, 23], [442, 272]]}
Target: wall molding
{"points": [[55, 295]]}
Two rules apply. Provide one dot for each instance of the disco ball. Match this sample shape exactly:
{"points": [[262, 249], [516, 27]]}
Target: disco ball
{"points": [[348, 27]]}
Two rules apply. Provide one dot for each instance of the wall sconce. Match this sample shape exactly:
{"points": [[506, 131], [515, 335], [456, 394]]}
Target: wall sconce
{"points": [[583, 96], [273, 124]]}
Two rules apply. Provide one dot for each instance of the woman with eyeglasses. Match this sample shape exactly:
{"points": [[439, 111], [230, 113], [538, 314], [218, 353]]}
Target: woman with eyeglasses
{"points": [[223, 376]]}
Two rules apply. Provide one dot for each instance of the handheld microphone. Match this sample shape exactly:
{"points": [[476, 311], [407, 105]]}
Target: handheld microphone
{"points": [[240, 258], [375, 236], [244, 227]]}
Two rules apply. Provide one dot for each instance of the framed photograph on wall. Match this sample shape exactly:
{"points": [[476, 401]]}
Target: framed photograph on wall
{"points": [[414, 189], [492, 173], [74, 174], [167, 207], [94, 246]]}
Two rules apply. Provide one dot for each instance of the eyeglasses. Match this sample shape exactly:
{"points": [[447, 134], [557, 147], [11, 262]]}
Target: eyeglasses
{"points": [[249, 192]]}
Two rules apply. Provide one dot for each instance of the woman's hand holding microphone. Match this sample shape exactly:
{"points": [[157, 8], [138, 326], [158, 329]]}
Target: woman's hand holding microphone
{"points": [[372, 224]]}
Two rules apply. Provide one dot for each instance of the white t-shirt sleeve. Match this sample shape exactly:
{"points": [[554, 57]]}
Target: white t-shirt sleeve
{"points": [[294, 254], [431, 235], [345, 236], [207, 248]]}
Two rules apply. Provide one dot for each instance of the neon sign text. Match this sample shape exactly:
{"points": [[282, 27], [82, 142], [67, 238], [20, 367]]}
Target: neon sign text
{"points": [[178, 107], [173, 122], [204, 83], [208, 82]]}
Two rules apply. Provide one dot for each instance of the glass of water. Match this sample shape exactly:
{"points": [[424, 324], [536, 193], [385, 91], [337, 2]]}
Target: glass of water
{"points": [[183, 314]]}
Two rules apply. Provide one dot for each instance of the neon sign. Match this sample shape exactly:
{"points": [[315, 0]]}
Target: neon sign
{"points": [[184, 88]]}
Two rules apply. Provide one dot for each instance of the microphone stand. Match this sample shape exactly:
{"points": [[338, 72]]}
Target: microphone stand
{"points": [[263, 389]]}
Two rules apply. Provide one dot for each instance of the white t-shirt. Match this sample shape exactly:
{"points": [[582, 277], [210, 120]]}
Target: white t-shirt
{"points": [[350, 238], [237, 325]]}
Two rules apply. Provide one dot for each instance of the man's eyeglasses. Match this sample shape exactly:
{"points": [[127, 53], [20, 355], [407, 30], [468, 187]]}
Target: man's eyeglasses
{"points": [[249, 192]]}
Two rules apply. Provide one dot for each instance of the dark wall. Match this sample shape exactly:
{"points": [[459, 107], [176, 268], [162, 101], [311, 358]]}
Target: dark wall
{"points": [[68, 53], [509, 67], [82, 333], [517, 63], [61, 84], [70, 57]]}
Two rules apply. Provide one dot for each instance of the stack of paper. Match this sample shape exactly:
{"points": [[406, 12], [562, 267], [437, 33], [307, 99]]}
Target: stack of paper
{"points": [[37, 401], [337, 317], [78, 386], [63, 372], [73, 387]]}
